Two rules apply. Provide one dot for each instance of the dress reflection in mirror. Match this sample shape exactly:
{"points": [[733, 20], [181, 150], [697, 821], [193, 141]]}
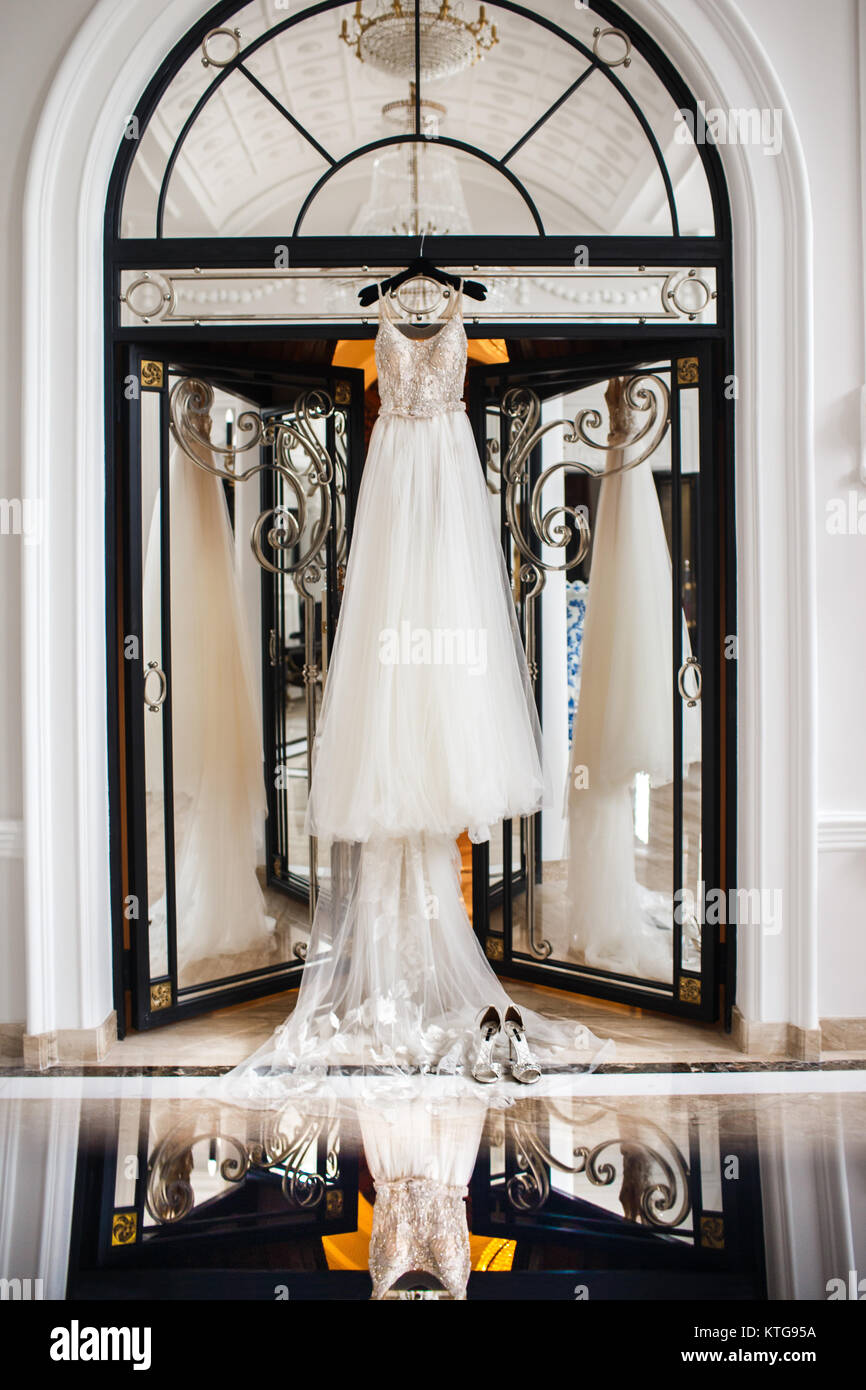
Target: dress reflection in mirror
{"points": [[421, 1158], [623, 724], [219, 791]]}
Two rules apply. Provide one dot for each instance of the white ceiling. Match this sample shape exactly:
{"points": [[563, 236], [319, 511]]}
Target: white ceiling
{"points": [[245, 171]]}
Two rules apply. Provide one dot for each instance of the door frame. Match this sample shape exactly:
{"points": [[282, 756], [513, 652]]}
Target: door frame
{"points": [[193, 345]]}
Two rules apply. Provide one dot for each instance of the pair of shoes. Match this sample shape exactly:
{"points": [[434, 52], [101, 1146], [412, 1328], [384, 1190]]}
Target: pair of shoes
{"points": [[490, 1024]]}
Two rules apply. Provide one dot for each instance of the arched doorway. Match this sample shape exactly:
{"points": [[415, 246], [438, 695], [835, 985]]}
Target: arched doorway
{"points": [[136, 256], [643, 295]]}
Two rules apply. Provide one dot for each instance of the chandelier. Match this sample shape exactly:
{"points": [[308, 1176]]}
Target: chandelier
{"points": [[415, 187], [449, 43]]}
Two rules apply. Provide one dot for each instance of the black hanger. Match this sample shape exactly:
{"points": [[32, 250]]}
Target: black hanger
{"points": [[421, 266]]}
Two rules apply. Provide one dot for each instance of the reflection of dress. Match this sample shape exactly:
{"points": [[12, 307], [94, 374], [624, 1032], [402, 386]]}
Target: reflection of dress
{"points": [[428, 726], [421, 1158], [624, 721], [219, 793]]}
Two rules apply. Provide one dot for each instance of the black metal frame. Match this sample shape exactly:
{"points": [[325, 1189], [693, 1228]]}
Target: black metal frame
{"points": [[327, 252]]}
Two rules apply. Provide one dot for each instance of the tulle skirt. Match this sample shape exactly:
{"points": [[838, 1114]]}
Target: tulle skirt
{"points": [[393, 985], [428, 723]]}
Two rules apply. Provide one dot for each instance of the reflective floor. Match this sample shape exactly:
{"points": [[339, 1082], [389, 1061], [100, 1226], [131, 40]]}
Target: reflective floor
{"points": [[607, 1186]]}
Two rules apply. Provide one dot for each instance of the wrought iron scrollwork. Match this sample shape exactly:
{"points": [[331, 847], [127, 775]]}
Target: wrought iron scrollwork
{"points": [[639, 420], [170, 1195], [655, 1175]]}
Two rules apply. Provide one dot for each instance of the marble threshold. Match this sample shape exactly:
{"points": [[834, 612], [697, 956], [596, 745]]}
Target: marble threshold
{"points": [[645, 1042]]}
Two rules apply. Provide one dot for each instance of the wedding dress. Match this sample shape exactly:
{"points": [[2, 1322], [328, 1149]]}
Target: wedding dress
{"points": [[421, 1158], [428, 726], [623, 725], [218, 782]]}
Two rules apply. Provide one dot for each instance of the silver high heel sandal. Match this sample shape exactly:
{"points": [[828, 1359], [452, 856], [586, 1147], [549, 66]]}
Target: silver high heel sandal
{"points": [[489, 1024], [523, 1065]]}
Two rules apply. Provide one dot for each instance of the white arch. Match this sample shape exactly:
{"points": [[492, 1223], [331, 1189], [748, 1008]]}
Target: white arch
{"points": [[65, 710]]}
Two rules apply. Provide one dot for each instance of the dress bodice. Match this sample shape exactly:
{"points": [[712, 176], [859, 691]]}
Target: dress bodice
{"points": [[421, 373]]}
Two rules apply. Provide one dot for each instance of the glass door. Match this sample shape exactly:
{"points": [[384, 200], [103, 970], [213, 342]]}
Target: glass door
{"points": [[603, 476], [237, 494]]}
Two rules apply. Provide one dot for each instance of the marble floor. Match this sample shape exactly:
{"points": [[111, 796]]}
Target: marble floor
{"points": [[225, 1037]]}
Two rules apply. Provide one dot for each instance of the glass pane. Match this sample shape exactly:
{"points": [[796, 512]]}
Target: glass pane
{"points": [[154, 144], [690, 713], [493, 102], [318, 78], [591, 167], [619, 145], [229, 919], [154, 544], [603, 894], [407, 189], [243, 169]]}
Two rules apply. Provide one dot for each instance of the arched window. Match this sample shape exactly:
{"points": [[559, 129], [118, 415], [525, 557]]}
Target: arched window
{"points": [[379, 119], [274, 163]]}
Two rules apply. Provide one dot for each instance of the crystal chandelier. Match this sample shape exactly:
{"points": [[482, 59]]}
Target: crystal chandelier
{"points": [[449, 43], [415, 187]]}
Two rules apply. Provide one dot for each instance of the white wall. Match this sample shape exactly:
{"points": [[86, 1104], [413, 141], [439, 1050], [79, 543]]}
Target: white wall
{"points": [[818, 67], [816, 57], [35, 37]]}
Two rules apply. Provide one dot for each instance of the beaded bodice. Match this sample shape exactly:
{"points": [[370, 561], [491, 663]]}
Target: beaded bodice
{"points": [[421, 373], [419, 1224]]}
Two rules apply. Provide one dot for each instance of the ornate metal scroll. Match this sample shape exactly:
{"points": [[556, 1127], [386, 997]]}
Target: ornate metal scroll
{"points": [[654, 1174], [296, 455], [639, 420], [170, 1195]]}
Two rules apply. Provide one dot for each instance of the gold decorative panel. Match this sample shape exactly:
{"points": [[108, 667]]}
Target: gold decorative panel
{"points": [[342, 393], [334, 1202], [124, 1228], [690, 990], [151, 375], [713, 1232], [687, 371], [160, 995], [494, 948]]}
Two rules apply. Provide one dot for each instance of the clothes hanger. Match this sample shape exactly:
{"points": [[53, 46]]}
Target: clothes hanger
{"points": [[421, 266]]}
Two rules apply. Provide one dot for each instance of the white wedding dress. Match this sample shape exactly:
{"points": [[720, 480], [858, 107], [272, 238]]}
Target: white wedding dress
{"points": [[623, 725], [218, 777], [428, 727]]}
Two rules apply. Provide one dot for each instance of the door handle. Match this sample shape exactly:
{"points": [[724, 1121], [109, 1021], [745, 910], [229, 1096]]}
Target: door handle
{"points": [[691, 662], [154, 669]]}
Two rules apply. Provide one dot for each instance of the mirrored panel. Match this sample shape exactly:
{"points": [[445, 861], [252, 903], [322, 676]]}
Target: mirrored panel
{"points": [[632, 294], [155, 529], [599, 506]]}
